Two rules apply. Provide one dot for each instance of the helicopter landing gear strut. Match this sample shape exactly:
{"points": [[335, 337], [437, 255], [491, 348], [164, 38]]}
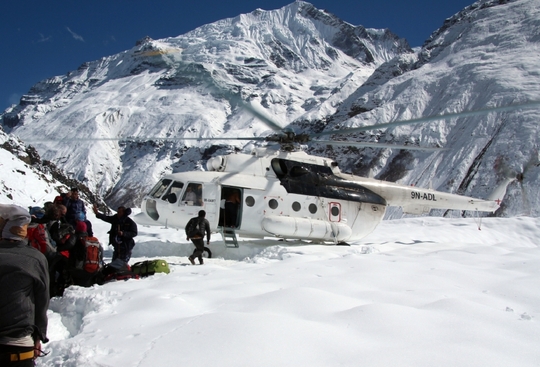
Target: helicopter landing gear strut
{"points": [[207, 253]]}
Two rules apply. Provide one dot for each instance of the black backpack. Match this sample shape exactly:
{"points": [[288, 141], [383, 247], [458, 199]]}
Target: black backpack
{"points": [[63, 235], [193, 228]]}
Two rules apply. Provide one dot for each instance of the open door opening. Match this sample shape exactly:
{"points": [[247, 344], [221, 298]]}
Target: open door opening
{"points": [[230, 213]]}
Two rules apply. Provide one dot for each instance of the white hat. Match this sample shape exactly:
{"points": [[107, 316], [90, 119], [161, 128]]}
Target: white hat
{"points": [[14, 221]]}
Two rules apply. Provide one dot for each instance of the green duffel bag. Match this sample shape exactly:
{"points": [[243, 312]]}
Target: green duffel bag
{"points": [[150, 267]]}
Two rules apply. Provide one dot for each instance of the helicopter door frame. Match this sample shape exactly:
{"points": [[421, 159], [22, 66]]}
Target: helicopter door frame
{"points": [[334, 211], [224, 193]]}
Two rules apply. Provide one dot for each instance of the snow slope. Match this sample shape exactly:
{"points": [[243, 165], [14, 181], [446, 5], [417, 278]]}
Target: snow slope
{"points": [[417, 292], [22, 183]]}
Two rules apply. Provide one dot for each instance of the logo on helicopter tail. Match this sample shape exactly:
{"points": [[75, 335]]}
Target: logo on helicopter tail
{"points": [[422, 196]]}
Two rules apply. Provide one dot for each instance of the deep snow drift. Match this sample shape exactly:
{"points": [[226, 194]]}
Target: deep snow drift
{"points": [[417, 292]]}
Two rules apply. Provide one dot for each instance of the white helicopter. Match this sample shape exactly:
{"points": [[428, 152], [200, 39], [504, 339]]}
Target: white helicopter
{"points": [[280, 191], [285, 193]]}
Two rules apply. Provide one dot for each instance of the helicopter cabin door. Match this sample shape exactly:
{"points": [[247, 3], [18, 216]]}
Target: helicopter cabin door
{"points": [[230, 213]]}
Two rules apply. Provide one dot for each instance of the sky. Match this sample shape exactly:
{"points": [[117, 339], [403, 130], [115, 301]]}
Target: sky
{"points": [[41, 39]]}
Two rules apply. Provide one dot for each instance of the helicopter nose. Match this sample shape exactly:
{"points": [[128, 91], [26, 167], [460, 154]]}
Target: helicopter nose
{"points": [[149, 209], [143, 219]]}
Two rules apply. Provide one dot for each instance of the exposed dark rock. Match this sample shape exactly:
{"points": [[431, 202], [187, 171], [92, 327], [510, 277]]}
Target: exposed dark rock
{"points": [[143, 41], [398, 167]]}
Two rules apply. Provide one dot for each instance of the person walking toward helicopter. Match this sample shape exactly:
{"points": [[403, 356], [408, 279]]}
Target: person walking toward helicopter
{"points": [[195, 230]]}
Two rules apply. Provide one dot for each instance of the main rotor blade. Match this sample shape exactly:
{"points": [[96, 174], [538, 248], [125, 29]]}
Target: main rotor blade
{"points": [[233, 97], [526, 105], [260, 115], [375, 145], [254, 138]]}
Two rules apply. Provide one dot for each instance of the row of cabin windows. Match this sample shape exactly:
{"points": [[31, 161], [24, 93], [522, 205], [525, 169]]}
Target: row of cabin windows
{"points": [[296, 206], [193, 196]]}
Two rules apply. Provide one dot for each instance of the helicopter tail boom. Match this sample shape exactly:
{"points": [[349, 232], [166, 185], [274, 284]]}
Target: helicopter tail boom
{"points": [[418, 201]]}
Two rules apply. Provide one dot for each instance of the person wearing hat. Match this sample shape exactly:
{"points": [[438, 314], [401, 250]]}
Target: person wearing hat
{"points": [[123, 229], [24, 290]]}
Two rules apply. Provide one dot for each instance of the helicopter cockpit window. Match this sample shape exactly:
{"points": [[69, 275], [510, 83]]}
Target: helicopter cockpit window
{"points": [[160, 188], [173, 193], [193, 195]]}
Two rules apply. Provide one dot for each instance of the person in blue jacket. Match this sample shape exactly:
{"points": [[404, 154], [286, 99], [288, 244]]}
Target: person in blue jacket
{"points": [[74, 206]]}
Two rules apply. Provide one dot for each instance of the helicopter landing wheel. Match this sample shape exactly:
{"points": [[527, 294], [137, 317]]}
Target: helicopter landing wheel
{"points": [[342, 244], [207, 253]]}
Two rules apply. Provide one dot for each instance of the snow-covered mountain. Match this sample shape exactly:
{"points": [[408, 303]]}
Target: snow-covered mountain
{"points": [[311, 71], [485, 56]]}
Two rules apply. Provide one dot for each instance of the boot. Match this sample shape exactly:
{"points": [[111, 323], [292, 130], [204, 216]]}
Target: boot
{"points": [[200, 260], [191, 260]]}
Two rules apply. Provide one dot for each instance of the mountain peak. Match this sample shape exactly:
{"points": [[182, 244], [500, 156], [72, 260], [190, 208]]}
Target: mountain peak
{"points": [[309, 71]]}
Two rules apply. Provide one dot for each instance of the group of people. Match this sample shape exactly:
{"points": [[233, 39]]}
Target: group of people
{"points": [[28, 278], [63, 233]]}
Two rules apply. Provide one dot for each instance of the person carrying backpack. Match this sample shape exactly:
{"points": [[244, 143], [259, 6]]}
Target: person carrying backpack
{"points": [[55, 238], [123, 230], [195, 230], [86, 257]]}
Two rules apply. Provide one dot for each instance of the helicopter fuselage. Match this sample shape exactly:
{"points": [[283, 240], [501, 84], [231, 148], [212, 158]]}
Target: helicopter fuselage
{"points": [[289, 195]]}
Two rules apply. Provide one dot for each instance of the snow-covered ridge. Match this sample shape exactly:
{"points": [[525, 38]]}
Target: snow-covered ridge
{"points": [[484, 56], [289, 61]]}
